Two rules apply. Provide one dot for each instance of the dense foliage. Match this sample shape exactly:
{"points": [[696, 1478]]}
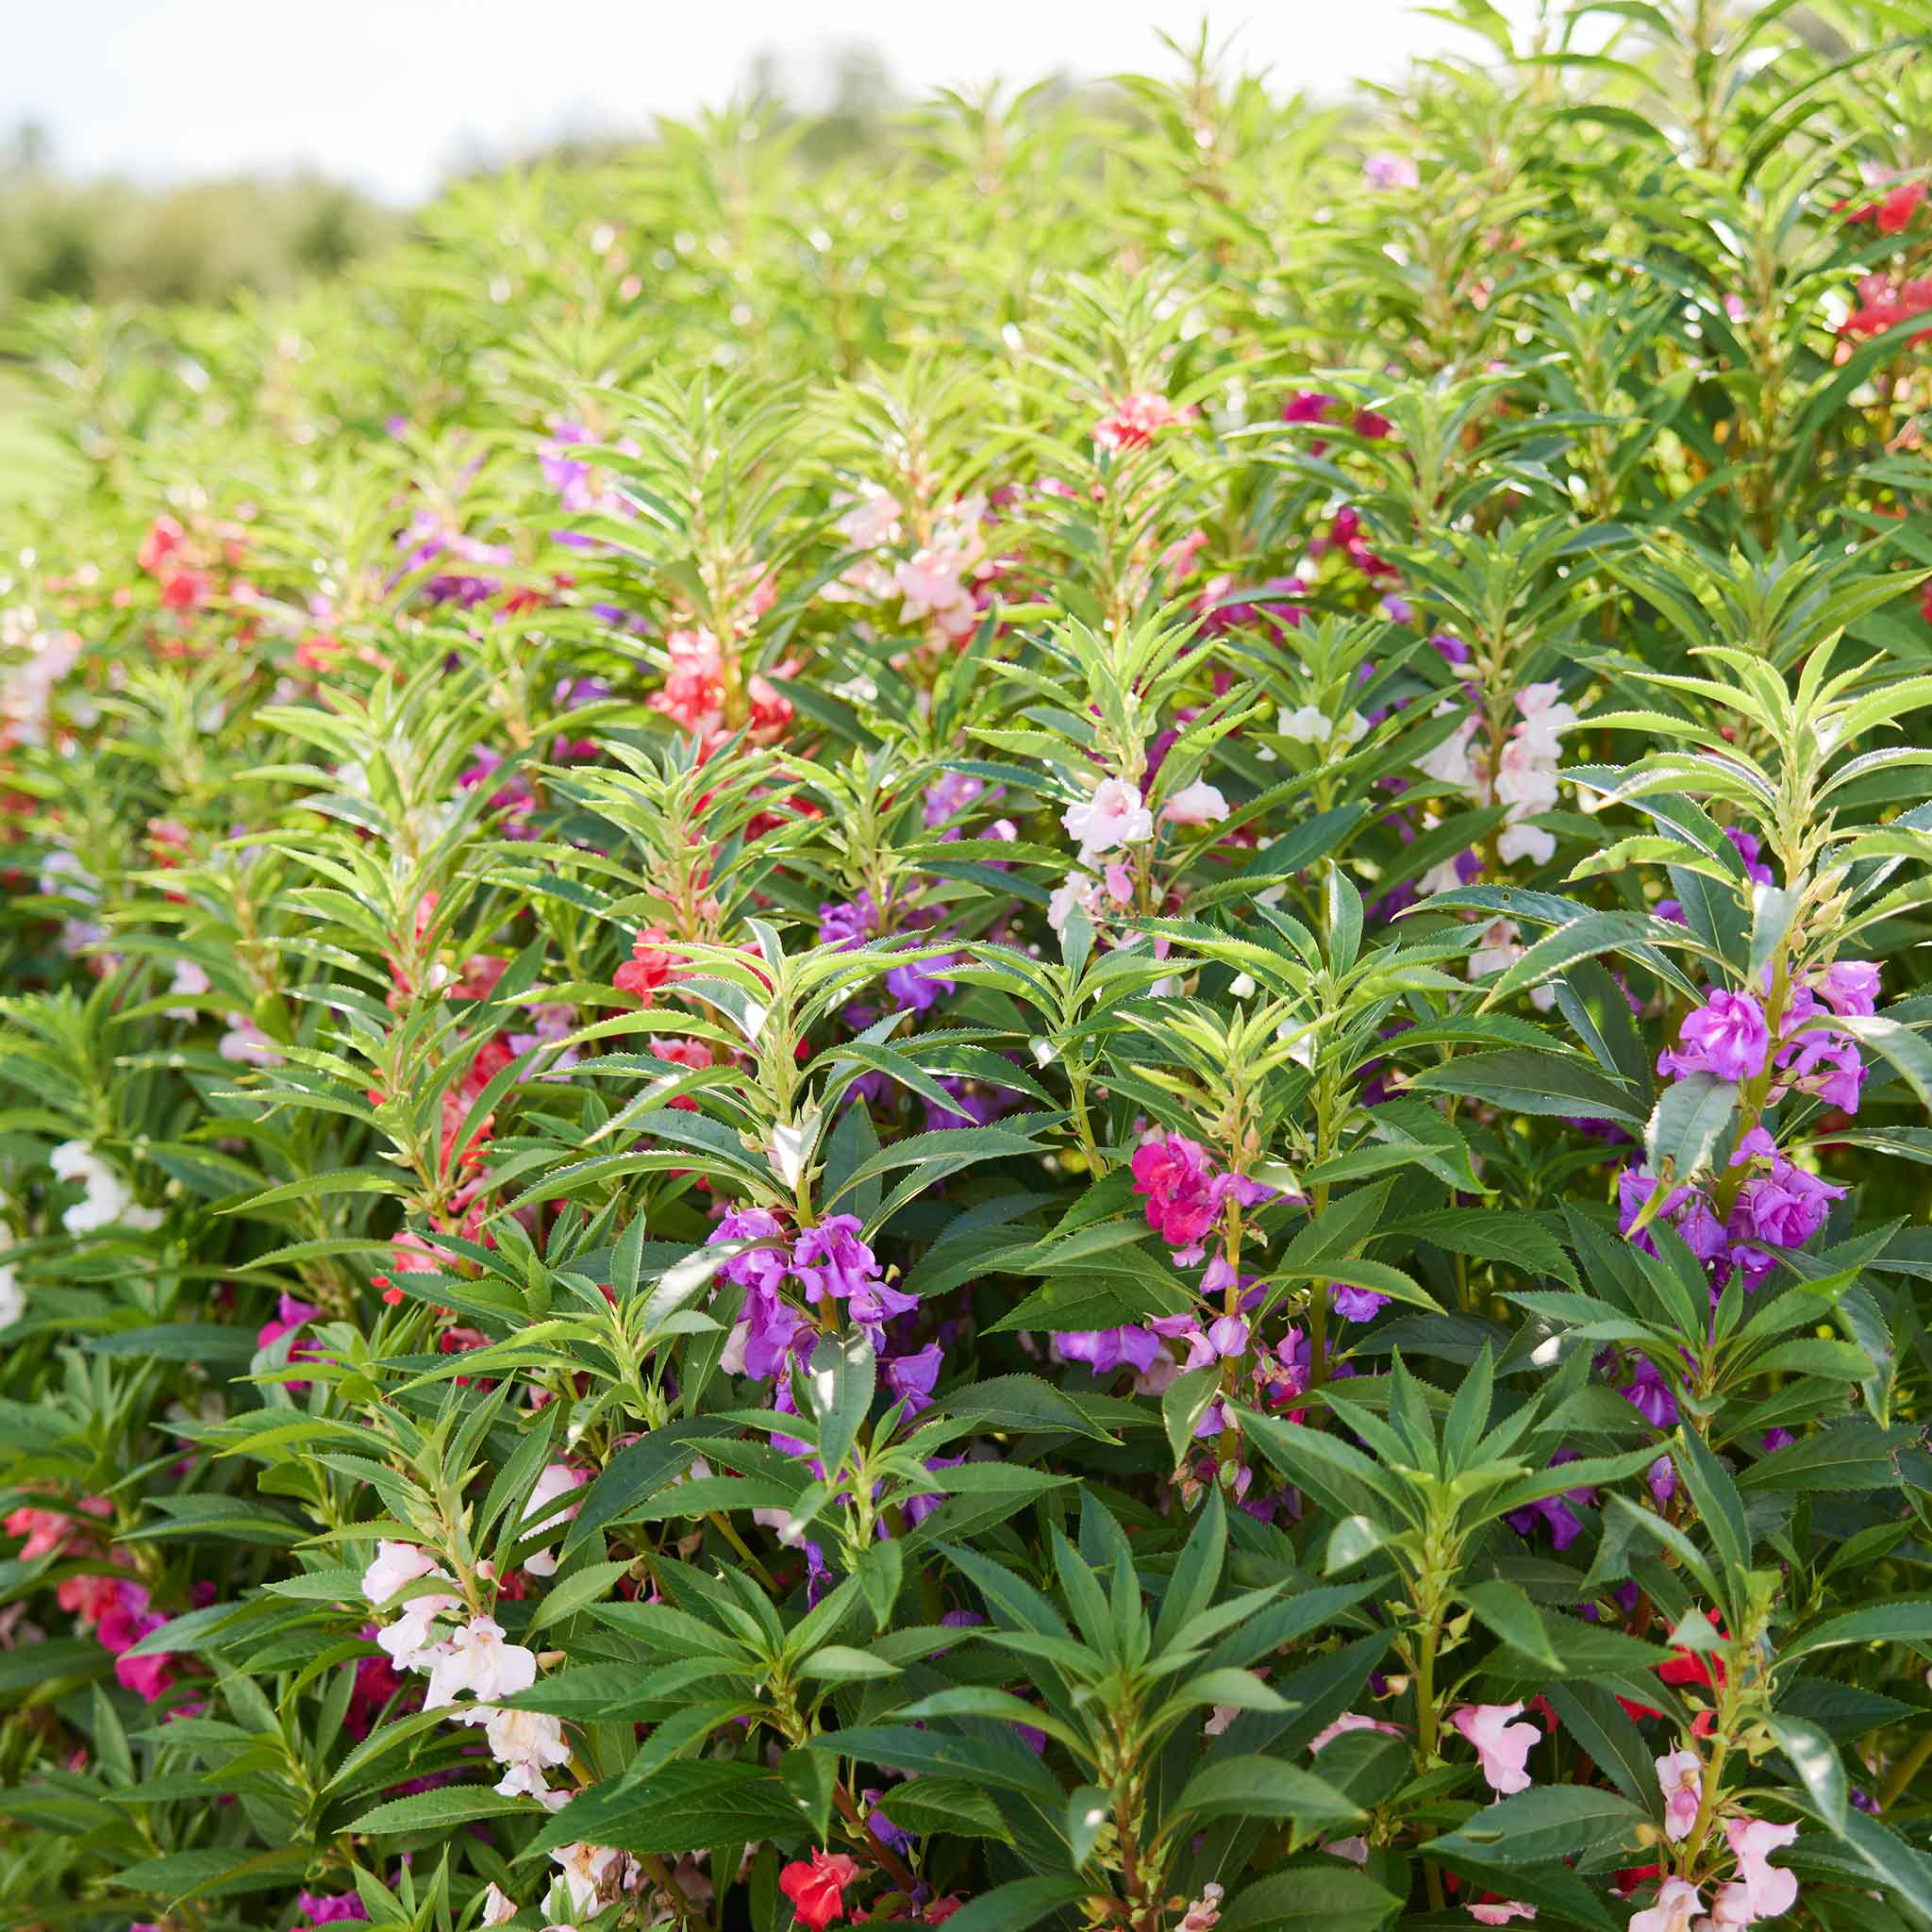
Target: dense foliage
{"points": [[1036, 1040]]}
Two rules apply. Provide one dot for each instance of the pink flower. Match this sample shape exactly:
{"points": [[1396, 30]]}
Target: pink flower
{"points": [[1199, 804], [1384, 170], [1500, 1911], [1501, 1747], [1350, 1720], [1112, 816], [816, 1886], [1760, 1889], [1681, 1776], [1677, 1903], [1135, 419], [1171, 1174]]}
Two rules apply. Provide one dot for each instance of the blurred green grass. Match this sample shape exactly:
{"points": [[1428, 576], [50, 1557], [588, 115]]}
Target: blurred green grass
{"points": [[36, 471]]}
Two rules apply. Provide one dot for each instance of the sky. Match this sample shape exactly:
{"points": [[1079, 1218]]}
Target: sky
{"points": [[388, 94]]}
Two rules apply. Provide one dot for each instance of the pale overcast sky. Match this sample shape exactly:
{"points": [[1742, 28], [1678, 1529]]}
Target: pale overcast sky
{"points": [[388, 94]]}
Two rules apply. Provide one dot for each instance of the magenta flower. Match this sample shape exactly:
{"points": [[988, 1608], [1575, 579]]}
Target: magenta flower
{"points": [[1183, 1196], [1850, 988], [830, 1259], [1726, 1036]]}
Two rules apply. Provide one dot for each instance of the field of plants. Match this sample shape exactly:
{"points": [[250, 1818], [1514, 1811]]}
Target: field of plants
{"points": [[1028, 1034]]}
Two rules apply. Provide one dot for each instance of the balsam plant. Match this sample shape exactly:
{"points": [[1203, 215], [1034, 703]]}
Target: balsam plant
{"points": [[1022, 1035]]}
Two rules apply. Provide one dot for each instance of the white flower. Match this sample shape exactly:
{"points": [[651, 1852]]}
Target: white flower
{"points": [[1112, 817], [497, 1907], [1199, 804], [1544, 719], [1498, 949], [557, 1481], [246, 1044], [108, 1202], [1449, 762], [476, 1660], [586, 1869], [1351, 729], [1308, 726], [1526, 842], [410, 1641], [526, 1743]]}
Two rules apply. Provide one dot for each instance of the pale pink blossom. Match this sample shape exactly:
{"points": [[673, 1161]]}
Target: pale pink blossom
{"points": [[1350, 1721], [1681, 1776], [1078, 893], [1760, 1889], [1501, 1747], [587, 1872], [1500, 1911], [396, 1566], [1199, 804], [1677, 1903], [1112, 816], [476, 1660], [559, 1480]]}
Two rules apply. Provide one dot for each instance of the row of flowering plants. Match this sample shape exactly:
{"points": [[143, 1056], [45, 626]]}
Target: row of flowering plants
{"points": [[1029, 1038]]}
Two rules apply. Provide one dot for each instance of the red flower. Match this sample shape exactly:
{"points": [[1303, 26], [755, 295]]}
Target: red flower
{"points": [[816, 1886], [651, 965]]}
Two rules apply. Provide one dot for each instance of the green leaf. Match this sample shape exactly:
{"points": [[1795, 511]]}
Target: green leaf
{"points": [[1519, 1080], [1255, 1787], [1021, 1402], [438, 1810], [572, 1593], [1512, 1616], [1015, 1906], [1547, 1824], [680, 1807], [1323, 1897], [1689, 1119], [844, 1372]]}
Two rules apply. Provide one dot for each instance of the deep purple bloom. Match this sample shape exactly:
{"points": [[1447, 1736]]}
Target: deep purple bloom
{"points": [[1650, 1395], [846, 924], [1356, 1304], [921, 984], [913, 1377]]}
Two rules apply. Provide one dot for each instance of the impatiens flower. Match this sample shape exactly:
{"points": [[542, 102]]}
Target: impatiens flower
{"points": [[1500, 1911], [1502, 1748], [1307, 725], [1111, 817], [1204, 1914], [1349, 1721], [1680, 1777], [1173, 1175], [337, 1908], [396, 1566], [1383, 170], [1677, 1903], [589, 1872], [1726, 1036], [1198, 804], [1760, 1889], [1135, 419], [476, 1660], [526, 1743], [816, 1886], [1078, 893], [108, 1202], [1356, 1304], [556, 1482], [1850, 988], [831, 1260]]}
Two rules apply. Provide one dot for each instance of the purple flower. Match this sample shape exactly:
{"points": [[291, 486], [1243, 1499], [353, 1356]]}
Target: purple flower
{"points": [[921, 983], [846, 924], [913, 1377], [1785, 1208], [1662, 1477], [1776, 1440], [874, 1304], [1564, 1523], [1726, 1036], [1747, 849], [831, 1259], [761, 1267], [1850, 988], [1104, 1350], [1356, 1304], [1650, 1395], [948, 796], [883, 1827]]}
